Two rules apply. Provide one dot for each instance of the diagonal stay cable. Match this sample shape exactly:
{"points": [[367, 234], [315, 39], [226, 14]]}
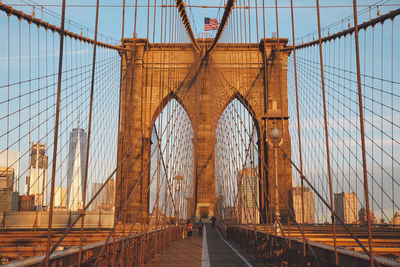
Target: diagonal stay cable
{"points": [[323, 200], [291, 214], [225, 17], [189, 80], [186, 22], [372, 22]]}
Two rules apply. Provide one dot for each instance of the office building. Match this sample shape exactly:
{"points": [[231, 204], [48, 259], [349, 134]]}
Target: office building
{"points": [[110, 198], [105, 199], [6, 178], [76, 168], [346, 207], [396, 218], [37, 180], [248, 196], [100, 200], [10, 159], [308, 203], [60, 198], [8, 201], [362, 215], [27, 203]]}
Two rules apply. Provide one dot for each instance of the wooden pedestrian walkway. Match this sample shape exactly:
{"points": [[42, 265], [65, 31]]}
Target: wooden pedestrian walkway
{"points": [[183, 252], [208, 251]]}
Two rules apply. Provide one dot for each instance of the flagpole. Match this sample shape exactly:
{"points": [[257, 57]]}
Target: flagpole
{"points": [[204, 21]]}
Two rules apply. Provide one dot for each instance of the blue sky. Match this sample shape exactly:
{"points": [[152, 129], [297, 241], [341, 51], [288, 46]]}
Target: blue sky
{"points": [[81, 17], [110, 20]]}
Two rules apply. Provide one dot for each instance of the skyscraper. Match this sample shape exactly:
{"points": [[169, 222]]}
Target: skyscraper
{"points": [[346, 207], [60, 198], [76, 168], [248, 195], [110, 198], [100, 201], [37, 180], [309, 216], [105, 199]]}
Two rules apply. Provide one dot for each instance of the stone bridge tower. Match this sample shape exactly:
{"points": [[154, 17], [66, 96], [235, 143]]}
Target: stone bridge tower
{"points": [[154, 66]]}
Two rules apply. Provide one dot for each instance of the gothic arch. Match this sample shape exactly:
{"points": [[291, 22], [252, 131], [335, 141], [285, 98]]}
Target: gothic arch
{"points": [[164, 102], [237, 95]]}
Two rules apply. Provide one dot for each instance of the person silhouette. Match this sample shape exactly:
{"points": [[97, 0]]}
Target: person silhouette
{"points": [[200, 226], [213, 220], [189, 228]]}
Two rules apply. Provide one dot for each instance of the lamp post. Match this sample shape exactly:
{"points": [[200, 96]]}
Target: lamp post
{"points": [[276, 135], [178, 189]]}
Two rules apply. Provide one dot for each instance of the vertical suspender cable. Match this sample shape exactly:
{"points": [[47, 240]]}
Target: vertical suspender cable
{"points": [[8, 91], [257, 20], [89, 128], [278, 57], [298, 122], [119, 153], [262, 136], [53, 171], [328, 159], [362, 130]]}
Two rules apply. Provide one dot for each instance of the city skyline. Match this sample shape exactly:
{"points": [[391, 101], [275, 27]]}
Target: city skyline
{"points": [[37, 164]]}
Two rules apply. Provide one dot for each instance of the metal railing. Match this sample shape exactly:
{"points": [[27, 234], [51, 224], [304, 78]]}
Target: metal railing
{"points": [[278, 249], [138, 249]]}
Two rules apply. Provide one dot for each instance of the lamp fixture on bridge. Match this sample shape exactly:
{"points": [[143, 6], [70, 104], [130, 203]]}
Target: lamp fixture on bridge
{"points": [[179, 179], [274, 138], [276, 133]]}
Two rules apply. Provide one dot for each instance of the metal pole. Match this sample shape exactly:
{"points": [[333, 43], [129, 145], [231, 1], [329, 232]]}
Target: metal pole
{"points": [[298, 122], [89, 130], [277, 212], [121, 85], [362, 130], [328, 159], [53, 171]]}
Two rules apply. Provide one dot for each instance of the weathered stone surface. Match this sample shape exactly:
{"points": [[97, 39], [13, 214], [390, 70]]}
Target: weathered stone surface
{"points": [[204, 85]]}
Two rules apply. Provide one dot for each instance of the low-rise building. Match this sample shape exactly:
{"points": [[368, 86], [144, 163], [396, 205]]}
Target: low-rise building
{"points": [[396, 218], [6, 178], [363, 216], [105, 199], [27, 203], [8, 201]]}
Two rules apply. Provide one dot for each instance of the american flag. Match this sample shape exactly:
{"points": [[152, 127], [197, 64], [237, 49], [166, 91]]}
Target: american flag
{"points": [[210, 24]]}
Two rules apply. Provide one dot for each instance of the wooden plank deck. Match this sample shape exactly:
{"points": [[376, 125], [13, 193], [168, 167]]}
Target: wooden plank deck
{"points": [[187, 252]]}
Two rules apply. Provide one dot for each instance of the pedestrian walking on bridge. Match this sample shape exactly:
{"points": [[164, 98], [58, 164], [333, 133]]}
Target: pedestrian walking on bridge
{"points": [[189, 229], [200, 226]]}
